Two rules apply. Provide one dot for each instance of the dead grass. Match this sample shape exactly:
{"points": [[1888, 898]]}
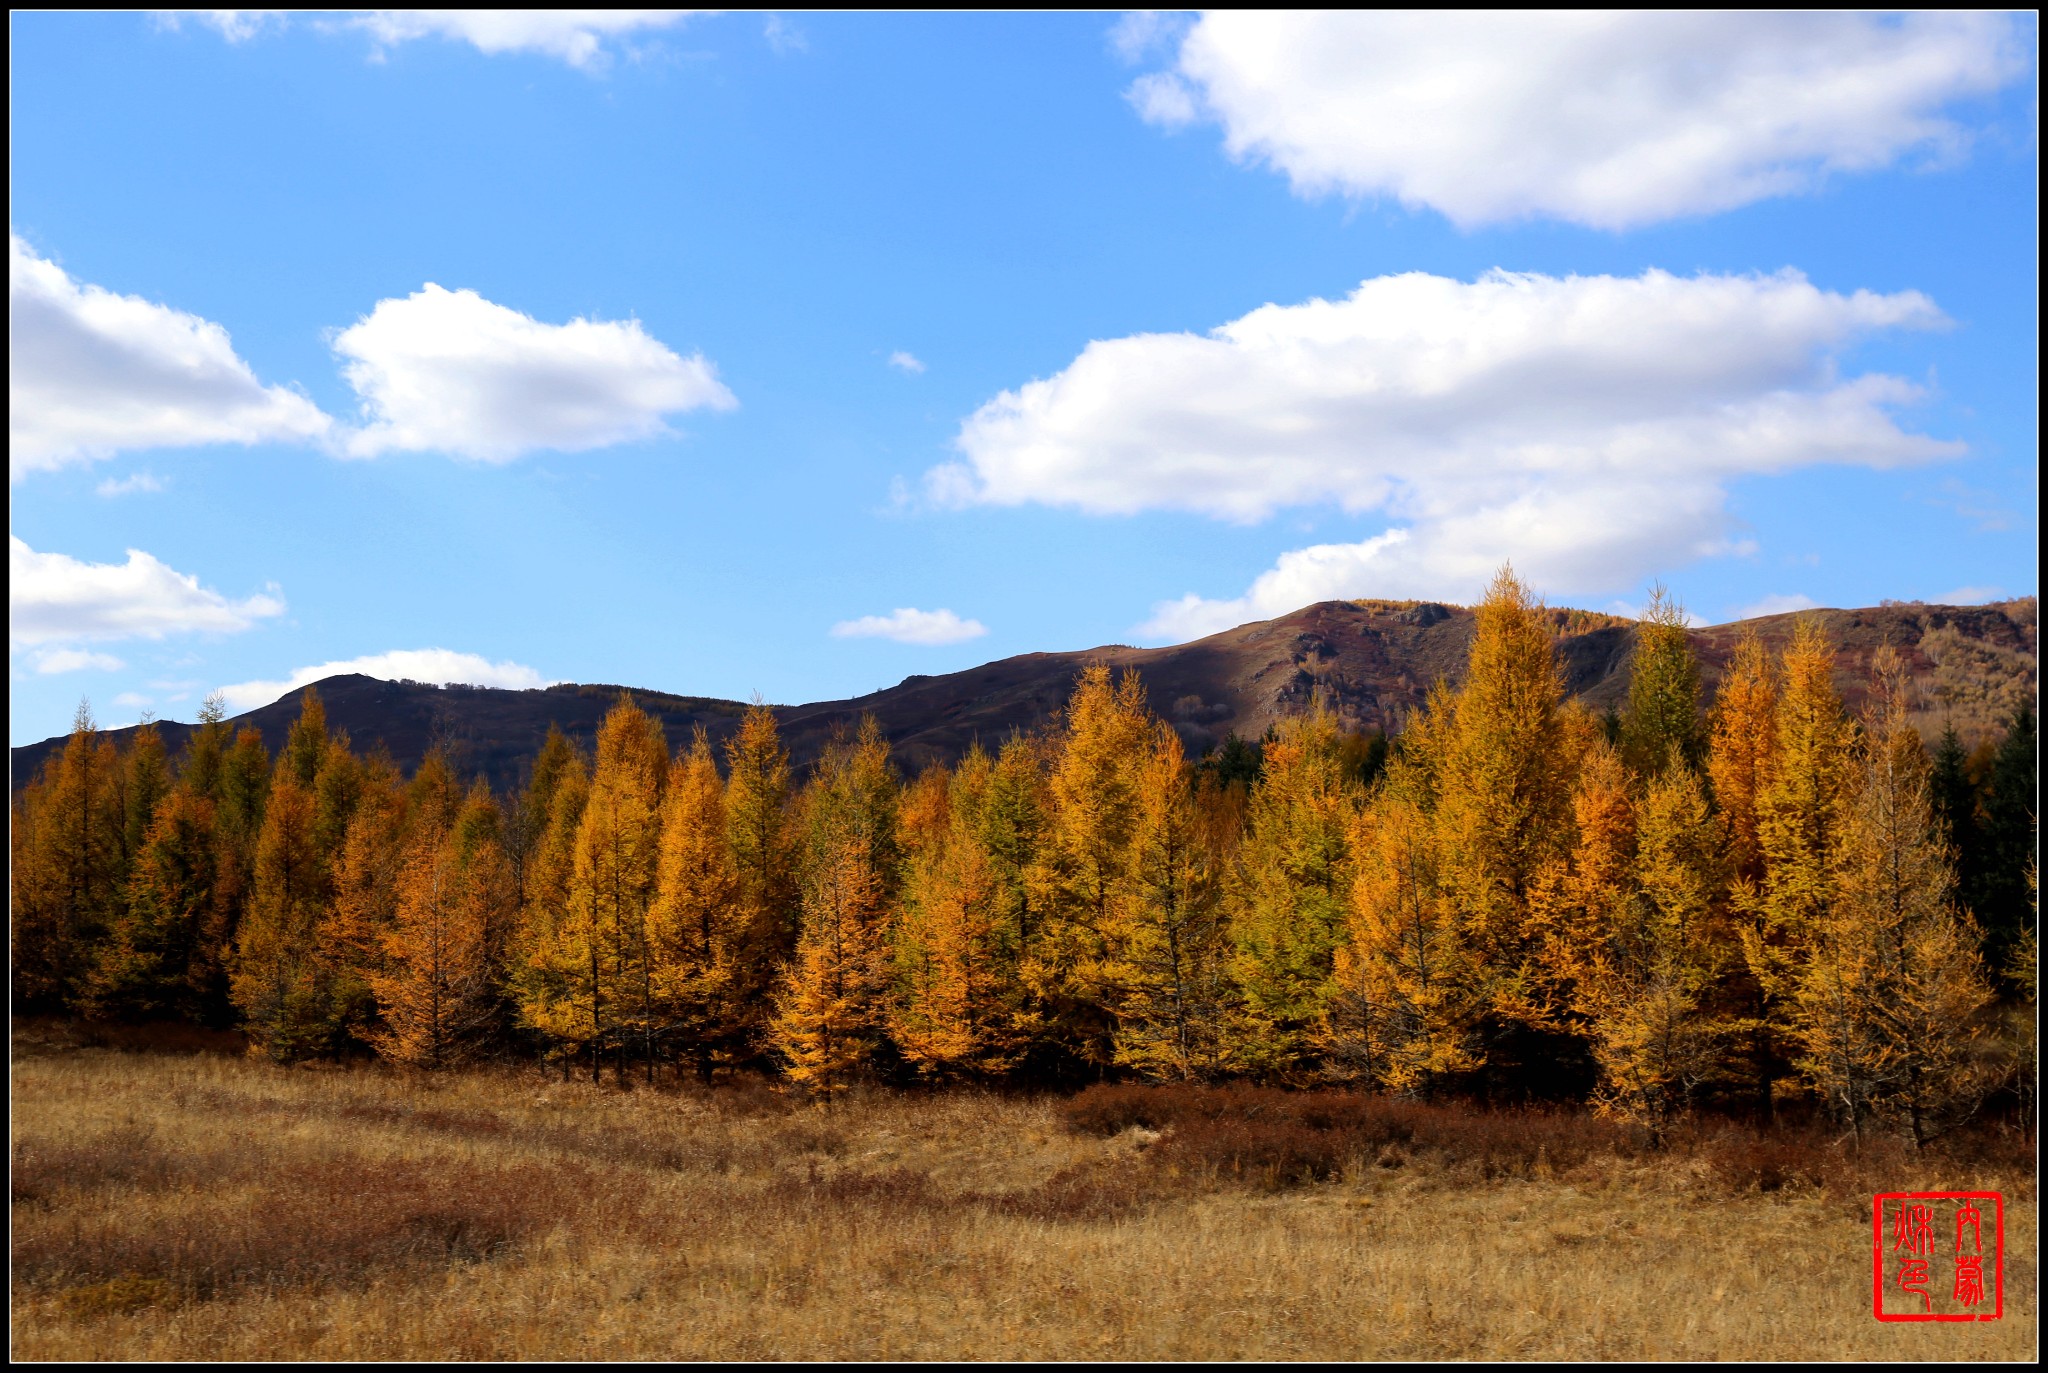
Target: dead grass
{"points": [[197, 1206]]}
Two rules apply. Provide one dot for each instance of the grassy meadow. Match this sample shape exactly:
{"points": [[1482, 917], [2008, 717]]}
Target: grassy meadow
{"points": [[201, 1205]]}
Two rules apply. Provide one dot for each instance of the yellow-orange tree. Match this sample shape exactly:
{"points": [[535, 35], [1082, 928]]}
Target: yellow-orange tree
{"points": [[436, 992], [1406, 995], [1288, 894], [1799, 819], [1083, 863], [1885, 1009], [831, 1010], [593, 985], [1654, 960], [1168, 982], [278, 983], [67, 867], [762, 837], [697, 932], [543, 972], [365, 895], [1507, 758], [958, 1005]]}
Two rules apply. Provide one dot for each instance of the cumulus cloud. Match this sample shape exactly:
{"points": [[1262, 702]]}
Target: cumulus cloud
{"points": [[237, 26], [437, 665], [1602, 118], [907, 626], [582, 38], [1585, 427], [577, 37], [57, 599], [130, 485], [448, 371], [1137, 34], [905, 361], [90, 373], [51, 661]]}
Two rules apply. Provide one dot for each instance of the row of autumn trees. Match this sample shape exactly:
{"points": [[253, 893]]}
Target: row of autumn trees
{"points": [[1658, 908]]}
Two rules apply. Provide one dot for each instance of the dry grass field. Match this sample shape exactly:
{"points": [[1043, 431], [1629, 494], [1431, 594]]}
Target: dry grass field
{"points": [[199, 1206]]}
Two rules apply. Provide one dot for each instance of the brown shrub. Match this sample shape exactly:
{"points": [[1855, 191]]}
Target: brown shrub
{"points": [[1272, 1137], [160, 1037], [1080, 1192], [466, 1123], [126, 1156], [336, 1220]]}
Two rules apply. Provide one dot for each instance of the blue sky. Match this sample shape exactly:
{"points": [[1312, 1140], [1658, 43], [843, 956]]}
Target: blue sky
{"points": [[956, 315]]}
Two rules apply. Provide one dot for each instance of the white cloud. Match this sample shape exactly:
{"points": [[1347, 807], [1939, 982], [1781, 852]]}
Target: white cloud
{"points": [[907, 626], [577, 37], [91, 373], [1585, 427], [50, 661], [784, 37], [56, 599], [134, 700], [438, 665], [1137, 34], [1971, 595], [237, 26], [1777, 604], [449, 371], [129, 486], [1609, 119], [905, 361], [1163, 99]]}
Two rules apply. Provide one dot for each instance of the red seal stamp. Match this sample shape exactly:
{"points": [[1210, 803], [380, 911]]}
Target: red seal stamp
{"points": [[1938, 1256]]}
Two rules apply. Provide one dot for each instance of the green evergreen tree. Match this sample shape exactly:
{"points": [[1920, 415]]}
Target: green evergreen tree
{"points": [[148, 781], [2004, 886], [1662, 724]]}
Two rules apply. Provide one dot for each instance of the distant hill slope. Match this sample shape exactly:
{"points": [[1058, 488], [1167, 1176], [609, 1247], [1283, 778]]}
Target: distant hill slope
{"points": [[1373, 660]]}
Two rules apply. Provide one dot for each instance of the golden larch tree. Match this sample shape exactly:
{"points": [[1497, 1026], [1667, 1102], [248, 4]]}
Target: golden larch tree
{"points": [[68, 867], [365, 885], [958, 1005], [602, 982], [698, 928], [1084, 860], [831, 1010], [1800, 812], [1504, 785], [279, 983], [544, 972], [1644, 996], [1886, 1008], [1171, 991], [1742, 755], [1406, 996], [1288, 895], [761, 834], [437, 990]]}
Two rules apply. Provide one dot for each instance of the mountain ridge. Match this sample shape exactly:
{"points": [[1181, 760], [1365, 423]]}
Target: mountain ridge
{"points": [[1373, 661]]}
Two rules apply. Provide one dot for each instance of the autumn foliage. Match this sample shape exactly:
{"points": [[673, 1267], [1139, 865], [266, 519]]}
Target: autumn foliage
{"points": [[1761, 903]]}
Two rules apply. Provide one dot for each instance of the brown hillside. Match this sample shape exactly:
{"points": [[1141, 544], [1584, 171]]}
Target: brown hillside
{"points": [[1373, 660]]}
